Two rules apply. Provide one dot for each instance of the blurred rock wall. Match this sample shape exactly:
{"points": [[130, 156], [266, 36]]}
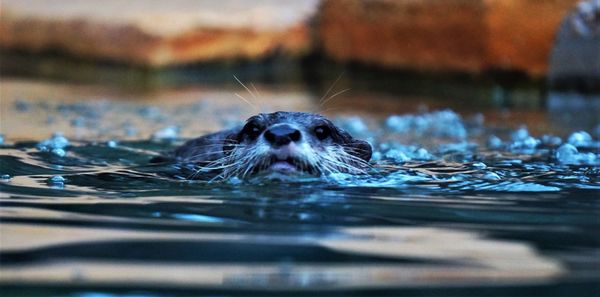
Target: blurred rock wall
{"points": [[449, 35], [158, 33], [425, 35]]}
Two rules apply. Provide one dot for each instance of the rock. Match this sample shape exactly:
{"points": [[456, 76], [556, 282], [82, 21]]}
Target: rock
{"points": [[158, 33], [452, 35], [412, 34], [575, 60], [521, 33]]}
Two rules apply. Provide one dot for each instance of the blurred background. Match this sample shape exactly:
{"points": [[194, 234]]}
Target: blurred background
{"points": [[501, 58]]}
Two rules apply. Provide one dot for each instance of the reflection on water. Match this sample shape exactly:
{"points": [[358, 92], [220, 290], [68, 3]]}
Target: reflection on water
{"points": [[339, 257], [455, 204]]}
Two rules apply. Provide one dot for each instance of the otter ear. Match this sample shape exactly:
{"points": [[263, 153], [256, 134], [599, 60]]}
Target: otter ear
{"points": [[229, 143], [361, 149]]}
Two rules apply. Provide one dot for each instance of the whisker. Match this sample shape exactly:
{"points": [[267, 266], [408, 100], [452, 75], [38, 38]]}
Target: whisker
{"points": [[245, 100], [255, 89], [243, 85], [334, 95], [331, 87]]}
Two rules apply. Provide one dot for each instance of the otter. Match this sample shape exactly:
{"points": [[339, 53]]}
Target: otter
{"points": [[281, 142]]}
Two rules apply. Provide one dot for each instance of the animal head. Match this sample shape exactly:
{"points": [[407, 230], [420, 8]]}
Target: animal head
{"points": [[293, 142]]}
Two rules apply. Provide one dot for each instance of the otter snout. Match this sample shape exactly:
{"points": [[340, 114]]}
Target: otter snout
{"points": [[282, 134], [279, 142]]}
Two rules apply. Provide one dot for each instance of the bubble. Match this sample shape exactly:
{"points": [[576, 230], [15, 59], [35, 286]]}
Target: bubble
{"points": [[444, 123], [59, 152], [397, 156], [399, 123], [56, 181], [376, 156], [494, 142], [526, 145], [520, 134], [57, 141], [354, 125], [234, 180], [384, 146], [551, 140], [479, 165], [588, 158], [167, 133], [567, 154], [530, 142], [491, 176], [580, 139], [423, 154], [461, 147]]}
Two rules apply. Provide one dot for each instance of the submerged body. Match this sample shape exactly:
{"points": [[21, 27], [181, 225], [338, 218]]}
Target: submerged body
{"points": [[280, 142]]}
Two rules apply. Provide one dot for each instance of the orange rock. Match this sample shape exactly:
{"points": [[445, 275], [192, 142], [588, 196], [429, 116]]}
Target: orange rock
{"points": [[158, 33], [449, 35], [426, 34], [521, 33]]}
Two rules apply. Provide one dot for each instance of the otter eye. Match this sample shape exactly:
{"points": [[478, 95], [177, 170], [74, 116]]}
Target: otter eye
{"points": [[322, 132], [252, 129]]}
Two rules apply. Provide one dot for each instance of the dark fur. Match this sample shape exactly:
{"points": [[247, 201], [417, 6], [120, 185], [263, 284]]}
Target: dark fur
{"points": [[215, 146]]}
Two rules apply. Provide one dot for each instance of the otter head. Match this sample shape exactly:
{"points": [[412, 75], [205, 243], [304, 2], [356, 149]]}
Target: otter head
{"points": [[293, 142]]}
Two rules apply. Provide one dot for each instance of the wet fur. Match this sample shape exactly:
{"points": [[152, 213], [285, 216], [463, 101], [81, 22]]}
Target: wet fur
{"points": [[232, 152]]}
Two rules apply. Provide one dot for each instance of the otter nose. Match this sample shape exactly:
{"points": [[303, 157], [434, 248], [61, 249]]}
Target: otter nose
{"points": [[282, 135]]}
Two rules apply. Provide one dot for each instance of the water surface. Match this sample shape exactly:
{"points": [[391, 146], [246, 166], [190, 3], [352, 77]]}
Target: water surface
{"points": [[459, 202]]}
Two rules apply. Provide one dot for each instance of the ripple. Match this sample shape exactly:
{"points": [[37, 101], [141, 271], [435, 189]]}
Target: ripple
{"points": [[437, 208]]}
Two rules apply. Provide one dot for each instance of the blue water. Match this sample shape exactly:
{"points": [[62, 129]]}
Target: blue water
{"points": [[452, 206]]}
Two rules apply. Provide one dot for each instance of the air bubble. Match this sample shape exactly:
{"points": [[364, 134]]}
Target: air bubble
{"points": [[580, 139], [57, 141], [520, 134], [396, 156], [167, 133], [494, 142], [567, 154]]}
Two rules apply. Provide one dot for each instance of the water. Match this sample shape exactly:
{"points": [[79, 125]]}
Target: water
{"points": [[457, 204]]}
